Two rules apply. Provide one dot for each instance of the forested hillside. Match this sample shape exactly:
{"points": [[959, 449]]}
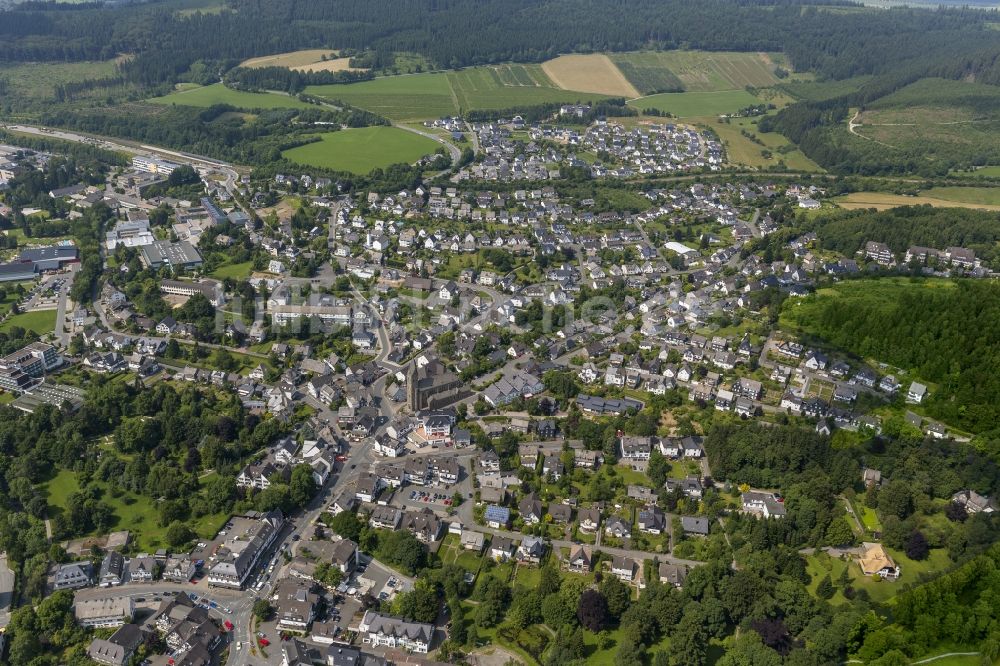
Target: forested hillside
{"points": [[455, 33], [847, 232], [160, 43], [945, 333]]}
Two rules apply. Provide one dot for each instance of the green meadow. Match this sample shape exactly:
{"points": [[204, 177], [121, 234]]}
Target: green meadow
{"points": [[363, 149]]}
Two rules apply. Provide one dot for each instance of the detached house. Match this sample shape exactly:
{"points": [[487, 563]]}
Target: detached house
{"points": [[530, 509], [624, 568], [652, 520]]}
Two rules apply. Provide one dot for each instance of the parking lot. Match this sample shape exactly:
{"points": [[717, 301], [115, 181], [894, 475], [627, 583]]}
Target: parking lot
{"points": [[432, 496], [44, 295]]}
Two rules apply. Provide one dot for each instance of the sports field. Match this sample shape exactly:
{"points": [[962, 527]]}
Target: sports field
{"points": [[703, 71], [592, 72], [690, 104], [206, 96], [363, 149]]}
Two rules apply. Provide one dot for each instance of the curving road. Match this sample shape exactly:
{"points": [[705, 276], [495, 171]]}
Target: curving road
{"points": [[452, 149]]}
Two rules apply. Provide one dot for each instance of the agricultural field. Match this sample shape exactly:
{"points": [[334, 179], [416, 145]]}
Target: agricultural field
{"points": [[743, 150], [884, 200], [432, 95], [363, 149], [508, 86], [567, 79], [698, 71], [408, 97], [217, 93], [37, 81], [692, 104], [309, 60], [593, 72]]}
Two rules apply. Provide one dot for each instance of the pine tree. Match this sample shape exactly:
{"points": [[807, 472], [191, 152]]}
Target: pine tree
{"points": [[825, 588]]}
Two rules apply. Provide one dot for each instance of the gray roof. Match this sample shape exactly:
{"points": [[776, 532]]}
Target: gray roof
{"points": [[694, 524]]}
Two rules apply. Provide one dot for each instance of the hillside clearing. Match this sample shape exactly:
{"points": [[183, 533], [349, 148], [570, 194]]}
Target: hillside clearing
{"points": [[594, 73], [292, 59], [691, 104], [217, 93], [38, 80]]}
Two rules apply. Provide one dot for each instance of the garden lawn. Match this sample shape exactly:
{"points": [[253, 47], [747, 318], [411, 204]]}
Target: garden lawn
{"points": [[630, 476], [820, 564], [595, 654], [235, 271], [39, 321], [363, 149]]}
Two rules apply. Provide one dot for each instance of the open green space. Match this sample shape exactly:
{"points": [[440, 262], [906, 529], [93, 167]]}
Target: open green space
{"points": [[217, 93], [363, 149], [235, 271], [759, 149], [11, 297], [39, 321], [602, 655], [690, 104], [134, 513]]}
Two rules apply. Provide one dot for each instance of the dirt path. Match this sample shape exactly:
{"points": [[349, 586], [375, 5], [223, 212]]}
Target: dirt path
{"points": [[494, 655], [930, 660], [852, 124]]}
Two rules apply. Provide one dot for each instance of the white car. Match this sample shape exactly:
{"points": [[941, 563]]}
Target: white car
{"points": [[239, 645]]}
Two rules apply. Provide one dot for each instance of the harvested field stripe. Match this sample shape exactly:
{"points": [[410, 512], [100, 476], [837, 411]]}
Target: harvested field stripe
{"points": [[589, 73]]}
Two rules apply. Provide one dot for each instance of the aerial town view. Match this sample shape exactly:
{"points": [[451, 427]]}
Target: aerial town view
{"points": [[508, 333]]}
